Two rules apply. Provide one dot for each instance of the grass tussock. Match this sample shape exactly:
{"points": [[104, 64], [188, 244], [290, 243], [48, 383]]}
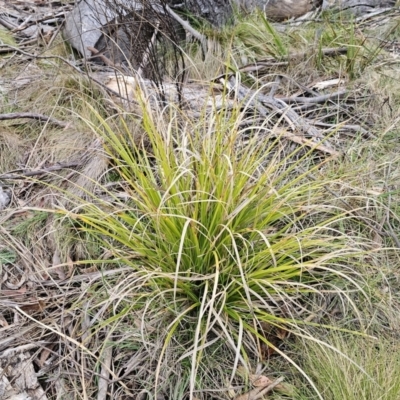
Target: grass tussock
{"points": [[232, 240], [338, 378]]}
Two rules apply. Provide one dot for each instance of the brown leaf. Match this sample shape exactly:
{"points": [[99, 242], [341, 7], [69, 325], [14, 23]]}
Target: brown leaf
{"points": [[13, 293], [40, 305], [44, 355], [260, 380], [281, 333]]}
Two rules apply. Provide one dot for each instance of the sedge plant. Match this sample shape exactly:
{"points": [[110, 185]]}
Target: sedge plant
{"points": [[224, 232]]}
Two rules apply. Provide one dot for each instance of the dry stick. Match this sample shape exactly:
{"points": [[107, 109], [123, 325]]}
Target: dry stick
{"points": [[37, 117], [55, 34], [258, 101], [21, 174], [5, 51], [269, 62], [257, 66], [280, 106], [341, 127], [301, 140], [104, 374], [50, 18], [146, 54], [98, 54], [20, 349], [315, 100], [299, 85], [373, 14], [185, 25], [23, 25], [7, 24]]}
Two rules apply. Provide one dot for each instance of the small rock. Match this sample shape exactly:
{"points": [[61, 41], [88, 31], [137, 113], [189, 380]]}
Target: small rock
{"points": [[5, 198]]}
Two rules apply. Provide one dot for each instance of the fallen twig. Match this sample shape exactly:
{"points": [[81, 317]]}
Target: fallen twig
{"points": [[37, 117], [284, 61], [315, 100], [301, 140], [98, 54], [341, 127], [185, 25], [104, 374], [20, 349], [21, 174]]}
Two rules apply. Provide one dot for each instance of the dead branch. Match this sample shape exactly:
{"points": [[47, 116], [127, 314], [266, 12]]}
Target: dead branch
{"points": [[21, 174], [257, 99], [104, 374], [283, 61], [106, 60], [318, 99], [185, 25], [37, 117]]}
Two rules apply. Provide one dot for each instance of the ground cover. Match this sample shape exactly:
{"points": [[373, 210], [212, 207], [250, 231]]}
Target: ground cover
{"points": [[150, 254]]}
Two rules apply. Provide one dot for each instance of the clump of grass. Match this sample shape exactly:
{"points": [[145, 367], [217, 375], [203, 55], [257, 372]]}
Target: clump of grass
{"points": [[30, 224], [10, 148], [7, 256], [6, 37], [337, 378], [227, 240]]}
